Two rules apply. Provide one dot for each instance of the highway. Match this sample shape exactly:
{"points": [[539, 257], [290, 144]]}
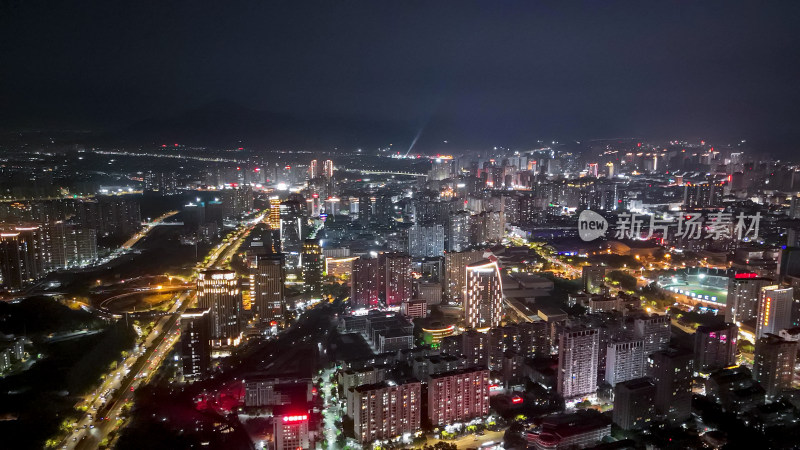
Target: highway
{"points": [[105, 403]]}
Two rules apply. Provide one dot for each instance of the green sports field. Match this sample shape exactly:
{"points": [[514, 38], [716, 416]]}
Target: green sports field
{"points": [[700, 293]]}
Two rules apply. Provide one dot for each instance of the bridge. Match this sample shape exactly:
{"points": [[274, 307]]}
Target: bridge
{"points": [[103, 305], [390, 172], [147, 227]]}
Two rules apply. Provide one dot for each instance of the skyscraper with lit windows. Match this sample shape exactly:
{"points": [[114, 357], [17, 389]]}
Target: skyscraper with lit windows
{"points": [[483, 307], [774, 310], [578, 351], [313, 266], [218, 291], [267, 278]]}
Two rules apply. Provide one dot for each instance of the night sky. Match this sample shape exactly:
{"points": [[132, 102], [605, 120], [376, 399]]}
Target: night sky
{"points": [[509, 72]]}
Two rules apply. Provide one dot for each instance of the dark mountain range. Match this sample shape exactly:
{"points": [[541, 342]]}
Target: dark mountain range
{"points": [[224, 123]]}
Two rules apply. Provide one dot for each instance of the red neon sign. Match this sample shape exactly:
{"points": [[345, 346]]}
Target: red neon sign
{"points": [[516, 400], [746, 275], [295, 419]]}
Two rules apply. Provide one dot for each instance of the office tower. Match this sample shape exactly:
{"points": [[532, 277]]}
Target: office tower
{"points": [[267, 278], [313, 169], [715, 346], [68, 245], [773, 366], [313, 266], [455, 274], [672, 371], [483, 306], [20, 256], [654, 331], [195, 342], [291, 431], [624, 361], [774, 310], [458, 396], [743, 293], [291, 232], [364, 283], [274, 219], [426, 241], [327, 169], [458, 231], [394, 278], [218, 291], [386, 409], [593, 279], [634, 406], [577, 362]]}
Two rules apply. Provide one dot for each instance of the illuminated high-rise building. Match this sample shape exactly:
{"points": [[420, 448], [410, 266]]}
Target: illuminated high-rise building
{"points": [[633, 403], [327, 169], [267, 278], [591, 170], [275, 213], [394, 275], [313, 266], [237, 201], [672, 371], [218, 291], [364, 283], [654, 331], [577, 362], [426, 241], [386, 410], [290, 431], [593, 278], [21, 258], [458, 396], [742, 300], [773, 366], [67, 245], [313, 169], [774, 310], [455, 274], [715, 346], [458, 231], [483, 306], [195, 342], [292, 231], [625, 360]]}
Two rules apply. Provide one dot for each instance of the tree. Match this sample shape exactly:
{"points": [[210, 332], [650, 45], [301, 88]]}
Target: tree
{"points": [[624, 280]]}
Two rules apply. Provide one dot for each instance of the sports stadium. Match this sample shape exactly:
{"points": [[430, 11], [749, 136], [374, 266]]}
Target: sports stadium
{"points": [[698, 286]]}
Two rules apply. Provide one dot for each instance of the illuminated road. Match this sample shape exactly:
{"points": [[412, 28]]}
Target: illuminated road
{"points": [[106, 402], [144, 231], [138, 368], [472, 441]]}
